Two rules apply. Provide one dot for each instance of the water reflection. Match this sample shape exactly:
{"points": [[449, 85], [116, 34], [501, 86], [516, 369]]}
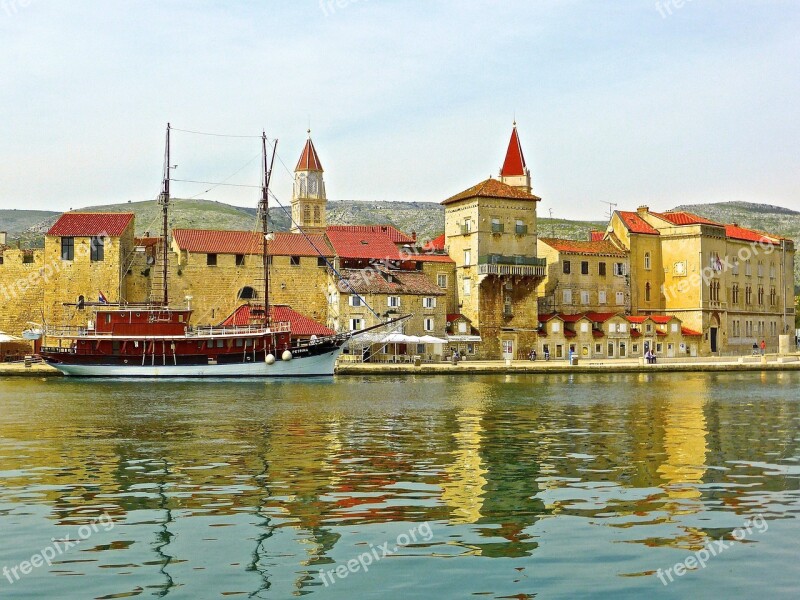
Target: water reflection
{"points": [[285, 479]]}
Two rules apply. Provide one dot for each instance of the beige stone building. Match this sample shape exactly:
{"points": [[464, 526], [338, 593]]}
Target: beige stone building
{"points": [[584, 276], [733, 285], [490, 233], [309, 199]]}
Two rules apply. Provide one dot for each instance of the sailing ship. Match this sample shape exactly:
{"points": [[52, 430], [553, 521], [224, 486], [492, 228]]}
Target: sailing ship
{"points": [[157, 341]]}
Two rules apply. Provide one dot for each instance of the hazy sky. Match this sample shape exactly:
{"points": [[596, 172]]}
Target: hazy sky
{"points": [[622, 101]]}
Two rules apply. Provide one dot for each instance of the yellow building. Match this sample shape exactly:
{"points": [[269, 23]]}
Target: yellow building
{"points": [[584, 276], [490, 232], [732, 284]]}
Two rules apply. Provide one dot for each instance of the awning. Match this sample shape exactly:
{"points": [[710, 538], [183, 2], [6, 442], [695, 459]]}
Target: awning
{"points": [[429, 339], [464, 338], [5, 338]]}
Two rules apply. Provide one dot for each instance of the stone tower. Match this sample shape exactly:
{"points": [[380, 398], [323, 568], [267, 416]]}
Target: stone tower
{"points": [[514, 172], [308, 197]]}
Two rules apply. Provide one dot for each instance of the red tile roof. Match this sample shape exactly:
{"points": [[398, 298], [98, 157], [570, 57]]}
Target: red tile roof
{"points": [[684, 218], [596, 317], [376, 281], [309, 160], [436, 243], [603, 247], [636, 224], [249, 242], [91, 224], [397, 236], [514, 164], [658, 319], [690, 332], [368, 245], [456, 316], [146, 241], [302, 326], [750, 235], [597, 236], [492, 188]]}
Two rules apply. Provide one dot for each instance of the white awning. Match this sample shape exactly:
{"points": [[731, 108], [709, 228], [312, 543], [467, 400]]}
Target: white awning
{"points": [[5, 338], [429, 339], [464, 338]]}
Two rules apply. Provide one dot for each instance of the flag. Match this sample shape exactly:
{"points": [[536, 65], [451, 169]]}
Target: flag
{"points": [[102, 298]]}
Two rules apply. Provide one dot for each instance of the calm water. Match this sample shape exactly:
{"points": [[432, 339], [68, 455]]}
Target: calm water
{"points": [[488, 487]]}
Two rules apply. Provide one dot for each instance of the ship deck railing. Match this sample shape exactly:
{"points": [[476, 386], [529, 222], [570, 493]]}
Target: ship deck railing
{"points": [[69, 331]]}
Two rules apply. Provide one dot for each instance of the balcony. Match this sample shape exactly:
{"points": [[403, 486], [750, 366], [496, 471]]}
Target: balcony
{"points": [[498, 228], [521, 230], [466, 229], [526, 266]]}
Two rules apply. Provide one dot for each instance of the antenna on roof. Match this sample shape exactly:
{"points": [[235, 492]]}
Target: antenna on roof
{"points": [[611, 207]]}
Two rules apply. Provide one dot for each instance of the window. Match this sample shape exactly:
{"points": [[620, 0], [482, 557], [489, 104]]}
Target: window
{"points": [[760, 269], [748, 268], [674, 328], [760, 295], [462, 327], [772, 271], [27, 259], [306, 214], [247, 293], [467, 226], [520, 228], [355, 300], [735, 268], [646, 261], [240, 260], [610, 349], [322, 261], [294, 261], [601, 269], [567, 296], [429, 302], [623, 351], [648, 328], [427, 324], [467, 287], [647, 292], [772, 297], [394, 301], [748, 294], [317, 214], [584, 267], [635, 348], [356, 324], [97, 249], [584, 327], [620, 298], [584, 297], [556, 327], [619, 269], [566, 267], [1, 259], [467, 258], [622, 327], [441, 280], [67, 248], [735, 293], [497, 226], [601, 297], [598, 348], [211, 260]]}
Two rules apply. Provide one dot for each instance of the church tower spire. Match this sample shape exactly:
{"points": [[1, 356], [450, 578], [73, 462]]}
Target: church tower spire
{"points": [[514, 172], [308, 197]]}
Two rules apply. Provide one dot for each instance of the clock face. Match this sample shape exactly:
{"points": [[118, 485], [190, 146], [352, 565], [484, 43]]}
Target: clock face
{"points": [[680, 268]]}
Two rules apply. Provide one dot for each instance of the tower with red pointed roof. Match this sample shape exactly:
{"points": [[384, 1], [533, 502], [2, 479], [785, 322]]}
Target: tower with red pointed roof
{"points": [[308, 197], [514, 172]]}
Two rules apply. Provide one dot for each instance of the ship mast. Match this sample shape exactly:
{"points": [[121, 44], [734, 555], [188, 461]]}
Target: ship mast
{"points": [[163, 200], [264, 210]]}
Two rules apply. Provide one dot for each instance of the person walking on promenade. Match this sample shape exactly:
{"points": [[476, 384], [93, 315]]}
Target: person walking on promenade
{"points": [[763, 347]]}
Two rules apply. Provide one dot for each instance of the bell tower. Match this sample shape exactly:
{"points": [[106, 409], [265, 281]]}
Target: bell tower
{"points": [[308, 197]]}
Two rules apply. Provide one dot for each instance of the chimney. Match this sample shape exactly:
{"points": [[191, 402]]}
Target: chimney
{"points": [[414, 235], [3, 236], [643, 210]]}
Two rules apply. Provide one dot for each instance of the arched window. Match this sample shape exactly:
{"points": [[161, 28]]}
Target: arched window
{"points": [[306, 214], [647, 261], [81, 302], [317, 216], [247, 293], [647, 289]]}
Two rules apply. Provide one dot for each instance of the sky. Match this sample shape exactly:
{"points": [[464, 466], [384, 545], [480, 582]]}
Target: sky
{"points": [[631, 102]]}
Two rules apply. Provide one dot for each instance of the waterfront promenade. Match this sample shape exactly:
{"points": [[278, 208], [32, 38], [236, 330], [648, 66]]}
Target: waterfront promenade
{"points": [[770, 362]]}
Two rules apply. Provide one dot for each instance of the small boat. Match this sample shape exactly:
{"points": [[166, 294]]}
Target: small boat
{"points": [[158, 341]]}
